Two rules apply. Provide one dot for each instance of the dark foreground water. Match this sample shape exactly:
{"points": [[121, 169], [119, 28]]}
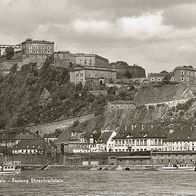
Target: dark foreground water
{"points": [[99, 183]]}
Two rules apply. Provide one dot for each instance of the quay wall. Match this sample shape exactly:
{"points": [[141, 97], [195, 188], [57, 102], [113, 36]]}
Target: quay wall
{"points": [[132, 159], [27, 159]]}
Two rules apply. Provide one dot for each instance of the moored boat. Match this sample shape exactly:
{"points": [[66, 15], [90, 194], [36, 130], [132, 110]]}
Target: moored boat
{"points": [[178, 167], [10, 168]]}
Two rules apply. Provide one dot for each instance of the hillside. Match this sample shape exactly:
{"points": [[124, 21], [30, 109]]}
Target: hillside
{"points": [[162, 93], [33, 96], [182, 116]]}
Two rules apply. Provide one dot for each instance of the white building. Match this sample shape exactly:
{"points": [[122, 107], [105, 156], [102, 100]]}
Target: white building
{"points": [[180, 145], [127, 143], [105, 142]]}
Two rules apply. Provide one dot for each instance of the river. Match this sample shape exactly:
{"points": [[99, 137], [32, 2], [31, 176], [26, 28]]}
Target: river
{"points": [[101, 183]]}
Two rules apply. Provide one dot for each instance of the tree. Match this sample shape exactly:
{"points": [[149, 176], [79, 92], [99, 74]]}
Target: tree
{"points": [[9, 53], [128, 74]]}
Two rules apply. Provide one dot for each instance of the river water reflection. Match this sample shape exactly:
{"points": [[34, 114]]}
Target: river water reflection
{"points": [[99, 183]]}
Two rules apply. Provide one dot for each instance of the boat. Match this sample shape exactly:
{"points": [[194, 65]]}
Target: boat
{"points": [[178, 167], [10, 168]]}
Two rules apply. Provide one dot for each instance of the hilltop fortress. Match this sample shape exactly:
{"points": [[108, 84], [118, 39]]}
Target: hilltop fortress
{"points": [[88, 68]]}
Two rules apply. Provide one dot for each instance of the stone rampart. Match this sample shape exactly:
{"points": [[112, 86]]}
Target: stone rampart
{"points": [[61, 124], [169, 103]]}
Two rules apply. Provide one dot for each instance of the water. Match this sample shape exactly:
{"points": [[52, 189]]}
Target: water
{"points": [[100, 183]]}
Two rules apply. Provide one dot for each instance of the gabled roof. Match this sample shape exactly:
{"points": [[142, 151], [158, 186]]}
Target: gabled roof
{"points": [[39, 144], [63, 137], [182, 133], [147, 132], [105, 137], [23, 136]]}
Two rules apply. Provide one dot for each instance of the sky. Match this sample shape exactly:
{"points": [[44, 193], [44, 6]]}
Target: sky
{"points": [[155, 34]]}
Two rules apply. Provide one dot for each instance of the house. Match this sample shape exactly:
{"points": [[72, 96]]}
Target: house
{"points": [[33, 146], [78, 143], [180, 145], [105, 142], [181, 138], [139, 139], [62, 141]]}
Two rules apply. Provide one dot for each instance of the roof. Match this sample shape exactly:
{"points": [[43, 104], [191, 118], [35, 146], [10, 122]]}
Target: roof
{"points": [[31, 144], [37, 41], [182, 133], [63, 137], [27, 136], [138, 132], [189, 68], [92, 68], [90, 55], [105, 137]]}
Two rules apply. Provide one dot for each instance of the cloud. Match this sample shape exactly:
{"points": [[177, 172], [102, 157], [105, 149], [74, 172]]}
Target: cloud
{"points": [[143, 27], [152, 33], [181, 16]]}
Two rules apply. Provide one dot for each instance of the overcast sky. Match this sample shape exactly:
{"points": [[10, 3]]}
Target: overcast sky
{"points": [[155, 34]]}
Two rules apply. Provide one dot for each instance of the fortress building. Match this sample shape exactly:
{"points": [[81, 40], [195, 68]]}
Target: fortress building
{"points": [[92, 74], [37, 47]]}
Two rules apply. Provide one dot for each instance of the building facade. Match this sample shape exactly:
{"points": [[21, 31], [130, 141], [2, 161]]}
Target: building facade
{"points": [[127, 143], [101, 75], [180, 145], [185, 75], [64, 59], [159, 77], [37, 47], [91, 60], [121, 105]]}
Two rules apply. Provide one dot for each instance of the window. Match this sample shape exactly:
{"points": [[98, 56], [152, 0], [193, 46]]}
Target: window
{"points": [[30, 47], [36, 47], [30, 51], [182, 79], [48, 51], [182, 72], [49, 47], [42, 51], [36, 51], [81, 74], [42, 47], [159, 79], [152, 79]]}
